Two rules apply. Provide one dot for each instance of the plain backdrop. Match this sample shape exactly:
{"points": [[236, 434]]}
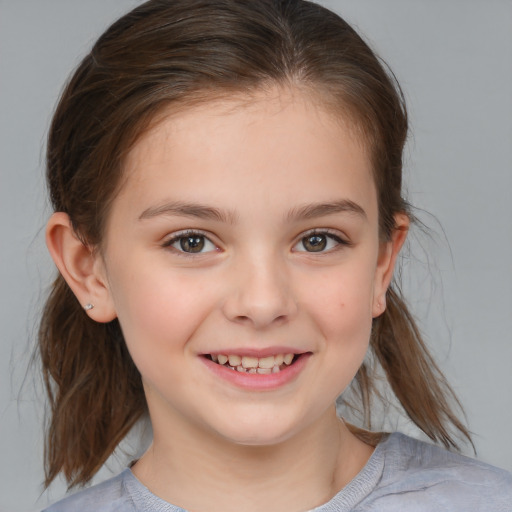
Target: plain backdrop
{"points": [[454, 60]]}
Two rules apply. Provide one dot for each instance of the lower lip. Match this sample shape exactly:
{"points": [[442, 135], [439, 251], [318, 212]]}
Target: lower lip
{"points": [[256, 381]]}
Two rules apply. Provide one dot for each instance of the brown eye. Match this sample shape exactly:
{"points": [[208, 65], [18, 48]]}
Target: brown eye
{"points": [[192, 244], [320, 242], [314, 243]]}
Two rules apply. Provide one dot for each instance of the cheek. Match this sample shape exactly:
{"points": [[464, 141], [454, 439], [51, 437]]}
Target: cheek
{"points": [[340, 307], [160, 311], [340, 300]]}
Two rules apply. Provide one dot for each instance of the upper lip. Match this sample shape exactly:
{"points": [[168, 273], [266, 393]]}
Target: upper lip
{"points": [[256, 352]]}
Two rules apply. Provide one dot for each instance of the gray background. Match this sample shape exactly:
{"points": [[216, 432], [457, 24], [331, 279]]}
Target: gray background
{"points": [[454, 61]]}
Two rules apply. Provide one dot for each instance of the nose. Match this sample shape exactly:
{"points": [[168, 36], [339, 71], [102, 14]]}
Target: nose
{"points": [[260, 294]]}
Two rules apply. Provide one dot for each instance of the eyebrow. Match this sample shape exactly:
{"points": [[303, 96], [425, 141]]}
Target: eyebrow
{"points": [[183, 209], [311, 211]]}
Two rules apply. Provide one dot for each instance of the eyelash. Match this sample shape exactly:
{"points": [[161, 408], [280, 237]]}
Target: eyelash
{"points": [[184, 235], [334, 236], [328, 234]]}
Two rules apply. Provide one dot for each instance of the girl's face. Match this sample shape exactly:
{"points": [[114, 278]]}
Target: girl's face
{"points": [[246, 231]]}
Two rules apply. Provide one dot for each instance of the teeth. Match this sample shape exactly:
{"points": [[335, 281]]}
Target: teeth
{"points": [[267, 362], [248, 364], [234, 360]]}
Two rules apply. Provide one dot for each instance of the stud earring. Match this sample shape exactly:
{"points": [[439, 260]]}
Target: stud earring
{"points": [[88, 306]]}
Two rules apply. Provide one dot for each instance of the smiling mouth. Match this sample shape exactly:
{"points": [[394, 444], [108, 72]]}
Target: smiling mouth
{"points": [[254, 365]]}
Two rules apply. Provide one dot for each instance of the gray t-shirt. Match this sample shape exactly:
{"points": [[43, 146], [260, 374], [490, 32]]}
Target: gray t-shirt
{"points": [[402, 474]]}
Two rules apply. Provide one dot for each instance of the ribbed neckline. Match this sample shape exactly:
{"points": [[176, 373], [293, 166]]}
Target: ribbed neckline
{"points": [[345, 500], [361, 485]]}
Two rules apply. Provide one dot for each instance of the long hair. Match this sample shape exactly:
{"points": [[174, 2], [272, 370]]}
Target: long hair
{"points": [[169, 54]]}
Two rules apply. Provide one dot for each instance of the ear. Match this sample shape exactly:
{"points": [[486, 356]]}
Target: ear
{"points": [[81, 267], [388, 254]]}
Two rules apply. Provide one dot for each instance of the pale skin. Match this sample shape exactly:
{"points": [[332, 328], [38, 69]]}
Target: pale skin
{"points": [[279, 200]]}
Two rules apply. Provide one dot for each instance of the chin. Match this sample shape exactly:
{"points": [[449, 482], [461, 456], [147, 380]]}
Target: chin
{"points": [[258, 432], [257, 439]]}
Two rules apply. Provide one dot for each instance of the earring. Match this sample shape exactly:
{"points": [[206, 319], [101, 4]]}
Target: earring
{"points": [[88, 306]]}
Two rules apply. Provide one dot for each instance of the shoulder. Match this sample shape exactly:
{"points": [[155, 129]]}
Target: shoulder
{"points": [[429, 477], [109, 496]]}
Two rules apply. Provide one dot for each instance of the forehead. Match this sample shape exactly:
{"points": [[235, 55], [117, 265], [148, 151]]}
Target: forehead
{"points": [[222, 108], [228, 148]]}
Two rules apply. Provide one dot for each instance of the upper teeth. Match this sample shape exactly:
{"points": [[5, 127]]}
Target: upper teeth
{"points": [[267, 362]]}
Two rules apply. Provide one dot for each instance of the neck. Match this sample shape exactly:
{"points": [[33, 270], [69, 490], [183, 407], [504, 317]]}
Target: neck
{"points": [[300, 473]]}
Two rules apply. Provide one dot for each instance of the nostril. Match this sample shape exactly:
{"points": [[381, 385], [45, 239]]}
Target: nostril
{"points": [[258, 320], [242, 319]]}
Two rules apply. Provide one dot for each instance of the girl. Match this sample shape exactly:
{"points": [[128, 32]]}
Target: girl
{"points": [[226, 180]]}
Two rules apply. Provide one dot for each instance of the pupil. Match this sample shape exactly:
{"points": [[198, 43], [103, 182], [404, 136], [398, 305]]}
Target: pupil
{"points": [[192, 243], [315, 243]]}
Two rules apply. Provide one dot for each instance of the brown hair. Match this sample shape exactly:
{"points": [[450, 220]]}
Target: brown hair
{"points": [[169, 53]]}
